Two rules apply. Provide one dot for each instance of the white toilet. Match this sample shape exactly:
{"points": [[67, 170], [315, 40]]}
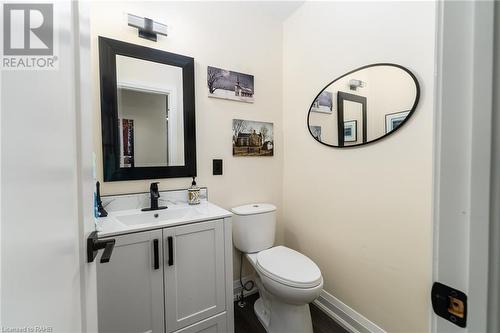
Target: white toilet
{"points": [[287, 280]]}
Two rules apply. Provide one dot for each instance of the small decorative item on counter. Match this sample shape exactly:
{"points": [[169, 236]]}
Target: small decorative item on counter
{"points": [[194, 193]]}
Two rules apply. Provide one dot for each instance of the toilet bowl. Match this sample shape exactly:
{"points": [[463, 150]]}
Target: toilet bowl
{"points": [[286, 279]]}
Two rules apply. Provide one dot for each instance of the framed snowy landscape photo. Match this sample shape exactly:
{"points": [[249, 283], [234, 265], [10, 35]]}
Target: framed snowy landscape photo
{"points": [[225, 84], [323, 103]]}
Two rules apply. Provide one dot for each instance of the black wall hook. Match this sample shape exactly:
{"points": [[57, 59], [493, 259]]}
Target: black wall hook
{"points": [[94, 245]]}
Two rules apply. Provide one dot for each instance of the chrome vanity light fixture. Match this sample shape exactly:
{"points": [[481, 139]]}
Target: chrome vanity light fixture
{"points": [[148, 28], [355, 84]]}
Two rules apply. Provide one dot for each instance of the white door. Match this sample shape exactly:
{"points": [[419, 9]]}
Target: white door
{"points": [[462, 159], [194, 273], [46, 182], [130, 285]]}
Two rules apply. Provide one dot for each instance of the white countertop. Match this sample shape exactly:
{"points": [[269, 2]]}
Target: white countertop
{"points": [[112, 226]]}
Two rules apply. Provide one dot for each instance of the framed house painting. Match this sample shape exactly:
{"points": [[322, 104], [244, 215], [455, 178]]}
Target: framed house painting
{"points": [[252, 138]]}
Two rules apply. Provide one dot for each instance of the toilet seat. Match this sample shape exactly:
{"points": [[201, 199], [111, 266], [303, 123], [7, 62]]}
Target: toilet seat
{"points": [[288, 267]]}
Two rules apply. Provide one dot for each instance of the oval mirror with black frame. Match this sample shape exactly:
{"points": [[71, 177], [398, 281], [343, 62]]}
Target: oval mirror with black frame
{"points": [[364, 105], [147, 112]]}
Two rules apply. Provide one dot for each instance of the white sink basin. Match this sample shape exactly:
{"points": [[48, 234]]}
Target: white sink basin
{"points": [[125, 215], [157, 216]]}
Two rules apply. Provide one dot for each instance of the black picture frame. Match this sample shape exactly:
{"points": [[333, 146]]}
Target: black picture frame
{"points": [[108, 50], [355, 131], [341, 97], [412, 110], [387, 130]]}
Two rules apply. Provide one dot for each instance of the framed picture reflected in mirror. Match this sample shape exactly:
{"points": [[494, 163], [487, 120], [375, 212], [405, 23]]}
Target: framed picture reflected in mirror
{"points": [[350, 131], [393, 120], [323, 103]]}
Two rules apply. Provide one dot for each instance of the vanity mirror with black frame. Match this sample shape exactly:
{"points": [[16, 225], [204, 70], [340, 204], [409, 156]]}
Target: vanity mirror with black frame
{"points": [[364, 105], [147, 112]]}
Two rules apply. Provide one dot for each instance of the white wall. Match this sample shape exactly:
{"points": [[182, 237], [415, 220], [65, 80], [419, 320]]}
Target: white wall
{"points": [[148, 111], [363, 215], [223, 35]]}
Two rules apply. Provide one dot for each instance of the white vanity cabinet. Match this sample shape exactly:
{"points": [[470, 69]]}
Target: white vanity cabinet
{"points": [[188, 288]]}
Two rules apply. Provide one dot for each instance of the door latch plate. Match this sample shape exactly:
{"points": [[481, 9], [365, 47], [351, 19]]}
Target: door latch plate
{"points": [[449, 303]]}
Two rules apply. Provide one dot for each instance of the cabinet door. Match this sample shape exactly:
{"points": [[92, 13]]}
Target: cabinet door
{"points": [[215, 324], [130, 285], [194, 273]]}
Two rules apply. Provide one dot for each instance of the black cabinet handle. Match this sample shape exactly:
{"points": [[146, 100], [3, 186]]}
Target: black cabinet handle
{"points": [[170, 251], [94, 245], [108, 249], [156, 259]]}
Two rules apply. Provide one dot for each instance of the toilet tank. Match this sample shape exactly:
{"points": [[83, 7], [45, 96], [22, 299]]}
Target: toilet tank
{"points": [[254, 226]]}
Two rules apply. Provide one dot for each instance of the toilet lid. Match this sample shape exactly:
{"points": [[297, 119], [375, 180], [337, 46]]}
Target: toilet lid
{"points": [[253, 209], [289, 267]]}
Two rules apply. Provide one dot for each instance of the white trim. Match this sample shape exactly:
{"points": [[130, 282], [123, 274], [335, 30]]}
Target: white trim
{"points": [[85, 163], [436, 153], [228, 257], [345, 316], [334, 308], [494, 270], [462, 143], [237, 287], [140, 87]]}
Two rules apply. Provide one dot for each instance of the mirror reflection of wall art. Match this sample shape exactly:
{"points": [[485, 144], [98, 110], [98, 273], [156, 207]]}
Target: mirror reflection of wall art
{"points": [[252, 138], [380, 98], [323, 103], [393, 120], [316, 132], [127, 139], [350, 131], [231, 85]]}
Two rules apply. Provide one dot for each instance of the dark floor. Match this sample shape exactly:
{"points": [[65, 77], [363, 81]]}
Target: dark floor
{"points": [[245, 320]]}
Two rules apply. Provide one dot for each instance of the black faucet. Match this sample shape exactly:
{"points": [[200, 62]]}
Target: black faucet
{"points": [[155, 195]]}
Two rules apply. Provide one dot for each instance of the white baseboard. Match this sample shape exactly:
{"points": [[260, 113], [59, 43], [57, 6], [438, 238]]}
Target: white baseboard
{"points": [[344, 315], [237, 287]]}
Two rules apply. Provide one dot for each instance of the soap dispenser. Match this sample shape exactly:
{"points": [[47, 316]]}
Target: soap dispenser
{"points": [[194, 193]]}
